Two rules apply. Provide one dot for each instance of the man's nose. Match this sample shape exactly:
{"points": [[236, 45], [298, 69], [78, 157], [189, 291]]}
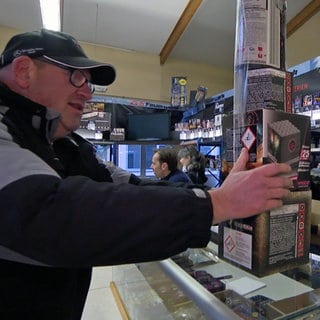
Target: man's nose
{"points": [[85, 91]]}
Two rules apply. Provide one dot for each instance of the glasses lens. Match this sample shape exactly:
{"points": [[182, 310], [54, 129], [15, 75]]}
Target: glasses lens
{"points": [[78, 79]]}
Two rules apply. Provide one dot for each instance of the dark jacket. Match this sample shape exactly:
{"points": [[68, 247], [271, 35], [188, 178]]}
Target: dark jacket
{"points": [[177, 176], [61, 214], [197, 176]]}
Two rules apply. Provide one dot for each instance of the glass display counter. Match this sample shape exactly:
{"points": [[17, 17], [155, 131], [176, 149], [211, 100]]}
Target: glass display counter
{"points": [[144, 291], [169, 289]]}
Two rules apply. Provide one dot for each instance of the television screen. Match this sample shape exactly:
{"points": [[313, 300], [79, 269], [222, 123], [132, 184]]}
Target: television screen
{"points": [[151, 126]]}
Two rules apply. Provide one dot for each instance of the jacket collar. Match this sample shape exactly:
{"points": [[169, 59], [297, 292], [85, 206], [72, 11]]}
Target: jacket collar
{"points": [[42, 119]]}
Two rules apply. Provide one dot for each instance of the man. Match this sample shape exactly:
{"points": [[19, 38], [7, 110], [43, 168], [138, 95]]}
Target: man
{"points": [[60, 212], [165, 166]]}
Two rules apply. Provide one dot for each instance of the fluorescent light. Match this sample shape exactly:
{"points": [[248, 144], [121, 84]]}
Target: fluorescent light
{"points": [[50, 12]]}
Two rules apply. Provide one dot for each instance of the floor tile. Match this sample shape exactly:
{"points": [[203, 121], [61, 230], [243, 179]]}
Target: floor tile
{"points": [[100, 304]]}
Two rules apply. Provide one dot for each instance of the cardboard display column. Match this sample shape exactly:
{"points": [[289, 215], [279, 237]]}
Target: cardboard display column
{"points": [[259, 43], [262, 122]]}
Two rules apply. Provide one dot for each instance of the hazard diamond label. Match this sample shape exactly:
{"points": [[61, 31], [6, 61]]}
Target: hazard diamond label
{"points": [[229, 244], [248, 138]]}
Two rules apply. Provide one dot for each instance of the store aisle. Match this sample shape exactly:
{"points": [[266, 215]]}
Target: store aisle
{"points": [[100, 304]]}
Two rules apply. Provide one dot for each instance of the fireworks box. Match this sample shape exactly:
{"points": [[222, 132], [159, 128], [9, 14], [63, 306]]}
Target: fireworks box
{"points": [[302, 306], [273, 241], [270, 136], [279, 239], [269, 88]]}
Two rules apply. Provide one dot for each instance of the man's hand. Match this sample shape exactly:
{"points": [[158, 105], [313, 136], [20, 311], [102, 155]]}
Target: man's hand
{"points": [[248, 192]]}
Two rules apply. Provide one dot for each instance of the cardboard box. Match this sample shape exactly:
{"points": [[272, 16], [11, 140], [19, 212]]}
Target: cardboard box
{"points": [[270, 136], [269, 88], [303, 306], [279, 239], [273, 241]]}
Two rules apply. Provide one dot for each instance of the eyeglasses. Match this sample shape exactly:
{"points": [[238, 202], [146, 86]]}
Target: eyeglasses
{"points": [[77, 77]]}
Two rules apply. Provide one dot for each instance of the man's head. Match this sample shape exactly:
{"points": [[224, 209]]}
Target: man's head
{"points": [[51, 68], [59, 48], [164, 161]]}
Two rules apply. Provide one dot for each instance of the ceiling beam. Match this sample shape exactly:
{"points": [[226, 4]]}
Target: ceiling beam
{"points": [[303, 16], [179, 28]]}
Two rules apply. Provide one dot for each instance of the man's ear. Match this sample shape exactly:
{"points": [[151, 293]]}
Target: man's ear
{"points": [[22, 69], [164, 166]]}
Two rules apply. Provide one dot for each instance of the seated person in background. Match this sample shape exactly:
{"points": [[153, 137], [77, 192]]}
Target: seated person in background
{"points": [[193, 163], [165, 166]]}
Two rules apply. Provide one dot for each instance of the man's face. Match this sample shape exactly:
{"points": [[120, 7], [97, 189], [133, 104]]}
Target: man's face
{"points": [[160, 170], [53, 89]]}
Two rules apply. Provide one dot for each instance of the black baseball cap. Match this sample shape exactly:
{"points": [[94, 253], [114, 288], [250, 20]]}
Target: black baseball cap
{"points": [[60, 48]]}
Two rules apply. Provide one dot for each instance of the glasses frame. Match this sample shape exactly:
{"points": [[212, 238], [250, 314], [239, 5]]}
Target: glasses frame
{"points": [[72, 72]]}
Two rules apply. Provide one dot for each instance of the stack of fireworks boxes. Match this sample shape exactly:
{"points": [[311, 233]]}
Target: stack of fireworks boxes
{"points": [[275, 240]]}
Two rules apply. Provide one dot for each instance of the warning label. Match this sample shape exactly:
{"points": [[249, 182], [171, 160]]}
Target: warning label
{"points": [[238, 247], [248, 138]]}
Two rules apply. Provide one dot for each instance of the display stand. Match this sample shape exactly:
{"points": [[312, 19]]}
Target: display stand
{"points": [[164, 290]]}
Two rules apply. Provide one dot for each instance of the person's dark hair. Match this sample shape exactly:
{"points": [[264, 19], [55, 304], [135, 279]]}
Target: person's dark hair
{"points": [[197, 159], [168, 155], [188, 151], [184, 152], [197, 165]]}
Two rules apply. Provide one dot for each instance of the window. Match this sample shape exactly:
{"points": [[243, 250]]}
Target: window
{"points": [[136, 158]]}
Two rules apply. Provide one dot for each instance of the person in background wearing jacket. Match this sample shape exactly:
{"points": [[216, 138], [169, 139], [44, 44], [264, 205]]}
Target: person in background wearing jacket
{"points": [[62, 211], [193, 163], [165, 166]]}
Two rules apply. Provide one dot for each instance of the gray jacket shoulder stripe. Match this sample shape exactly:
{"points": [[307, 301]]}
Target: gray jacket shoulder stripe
{"points": [[119, 175], [4, 134], [8, 254], [17, 163], [199, 193]]}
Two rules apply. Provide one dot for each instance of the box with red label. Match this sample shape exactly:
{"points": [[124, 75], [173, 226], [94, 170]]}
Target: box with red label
{"points": [[273, 241], [271, 136]]}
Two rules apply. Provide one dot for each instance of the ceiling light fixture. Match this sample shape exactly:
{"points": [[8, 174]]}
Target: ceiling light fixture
{"points": [[50, 12]]}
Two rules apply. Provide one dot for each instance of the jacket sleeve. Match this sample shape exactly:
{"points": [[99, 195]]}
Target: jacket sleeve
{"points": [[85, 160], [79, 222]]}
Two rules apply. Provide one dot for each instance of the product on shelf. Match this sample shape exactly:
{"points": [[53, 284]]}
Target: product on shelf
{"points": [[245, 308], [178, 91], [211, 283]]}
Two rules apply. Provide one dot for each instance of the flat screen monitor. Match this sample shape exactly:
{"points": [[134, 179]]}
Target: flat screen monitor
{"points": [[151, 126]]}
